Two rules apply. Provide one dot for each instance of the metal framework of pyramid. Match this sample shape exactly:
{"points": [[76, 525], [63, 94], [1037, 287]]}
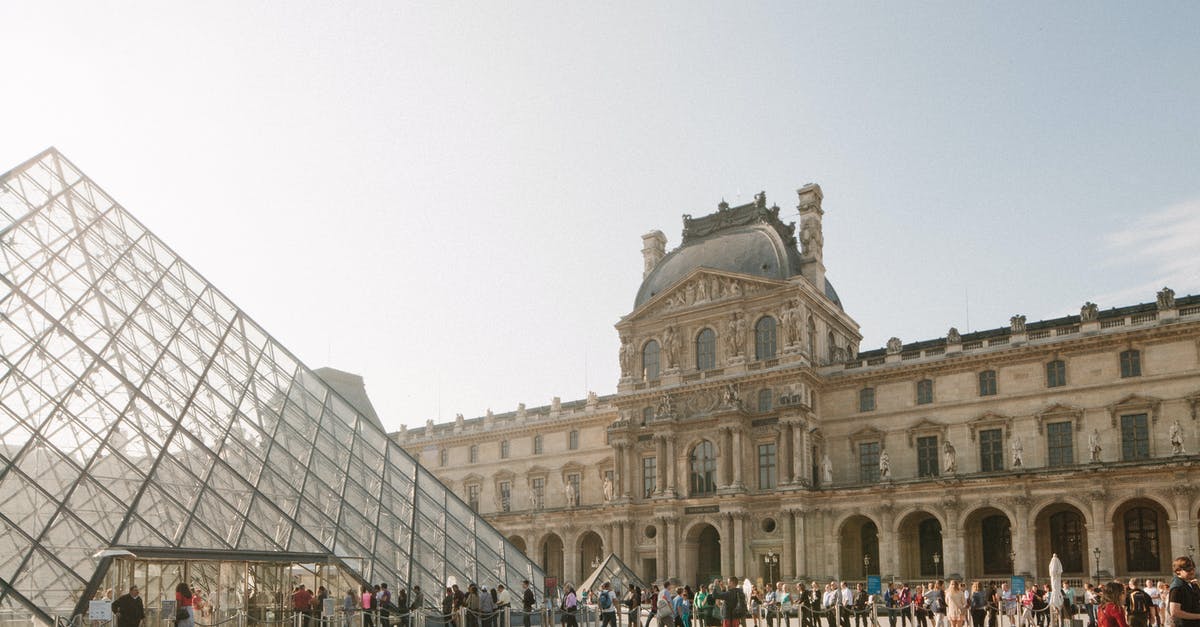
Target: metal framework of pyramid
{"points": [[616, 572], [139, 407]]}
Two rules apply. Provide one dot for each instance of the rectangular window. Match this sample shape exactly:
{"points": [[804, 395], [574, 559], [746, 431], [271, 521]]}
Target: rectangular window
{"points": [[1135, 437], [1061, 449], [987, 383], [573, 440], [868, 462], [503, 449], [506, 496], [1056, 374], [538, 486], [473, 497], [991, 450], [474, 454], [443, 457], [924, 392], [764, 400], [1131, 364], [766, 466], [537, 445], [649, 476], [866, 399], [927, 456]]}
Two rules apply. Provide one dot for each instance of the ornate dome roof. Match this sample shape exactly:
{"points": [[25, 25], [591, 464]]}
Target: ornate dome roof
{"points": [[749, 239]]}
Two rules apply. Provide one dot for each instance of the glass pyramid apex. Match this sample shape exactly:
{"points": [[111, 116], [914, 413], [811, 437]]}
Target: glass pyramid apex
{"points": [[141, 410]]}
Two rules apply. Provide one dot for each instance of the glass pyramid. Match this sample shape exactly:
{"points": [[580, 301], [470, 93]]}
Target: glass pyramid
{"points": [[614, 571], [140, 409]]}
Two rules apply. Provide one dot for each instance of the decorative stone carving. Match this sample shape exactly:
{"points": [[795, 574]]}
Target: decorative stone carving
{"points": [[811, 238], [1016, 324], [1175, 436], [1094, 446], [1089, 312], [826, 470], [571, 494], [556, 404], [735, 335], [592, 400], [1166, 298], [627, 355], [671, 347], [949, 458], [885, 466], [894, 345], [1018, 452], [953, 337], [608, 490], [730, 397], [790, 318], [665, 408], [706, 289]]}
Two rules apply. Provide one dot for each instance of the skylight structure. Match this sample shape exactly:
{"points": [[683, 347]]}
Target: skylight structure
{"points": [[143, 414]]}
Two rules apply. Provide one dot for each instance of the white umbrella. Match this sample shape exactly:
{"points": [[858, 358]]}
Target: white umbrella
{"points": [[1056, 571]]}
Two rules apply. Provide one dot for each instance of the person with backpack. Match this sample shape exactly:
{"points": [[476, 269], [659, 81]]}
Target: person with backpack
{"points": [[608, 606], [1137, 605]]}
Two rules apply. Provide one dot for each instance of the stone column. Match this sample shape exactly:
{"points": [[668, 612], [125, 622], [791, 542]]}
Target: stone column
{"points": [[724, 467], [571, 558], [1023, 535], [785, 449], [739, 545], [799, 469], [628, 545], [953, 547], [889, 547], [672, 489], [660, 481], [1100, 531], [673, 548], [737, 459], [787, 560], [1183, 527], [660, 547], [619, 470], [726, 544], [801, 548]]}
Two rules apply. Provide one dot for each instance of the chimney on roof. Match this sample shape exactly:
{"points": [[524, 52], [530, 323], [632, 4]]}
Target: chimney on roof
{"points": [[811, 239], [654, 248]]}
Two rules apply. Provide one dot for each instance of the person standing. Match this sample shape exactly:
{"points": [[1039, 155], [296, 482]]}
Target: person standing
{"points": [[1183, 596], [129, 608], [607, 602], [184, 613], [527, 602], [1137, 605], [1111, 612], [348, 609], [570, 605], [978, 602], [368, 606], [955, 604]]}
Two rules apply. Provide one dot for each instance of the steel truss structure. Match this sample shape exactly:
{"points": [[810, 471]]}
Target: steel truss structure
{"points": [[141, 409]]}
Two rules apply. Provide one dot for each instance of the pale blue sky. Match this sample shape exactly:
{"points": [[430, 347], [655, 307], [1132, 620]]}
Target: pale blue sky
{"points": [[449, 198]]}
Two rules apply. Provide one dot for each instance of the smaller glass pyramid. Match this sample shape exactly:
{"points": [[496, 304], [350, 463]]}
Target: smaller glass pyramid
{"points": [[140, 409]]}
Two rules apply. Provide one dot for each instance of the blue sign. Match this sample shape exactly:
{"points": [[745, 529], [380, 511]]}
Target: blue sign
{"points": [[874, 584], [1018, 585]]}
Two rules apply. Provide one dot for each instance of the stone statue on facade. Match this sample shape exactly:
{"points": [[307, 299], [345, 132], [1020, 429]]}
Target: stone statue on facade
{"points": [[730, 398], [953, 336], [811, 239], [1090, 312], [885, 466], [608, 489], [826, 470], [1094, 446], [1016, 324], [894, 345], [627, 355], [1175, 435], [671, 347], [1018, 452], [666, 408], [571, 494], [949, 458], [733, 335], [1166, 298]]}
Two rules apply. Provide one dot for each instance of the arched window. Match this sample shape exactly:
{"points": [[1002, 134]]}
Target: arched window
{"points": [[929, 536], [764, 400], [706, 350], [650, 361], [1066, 540], [703, 464], [1141, 540], [764, 338]]}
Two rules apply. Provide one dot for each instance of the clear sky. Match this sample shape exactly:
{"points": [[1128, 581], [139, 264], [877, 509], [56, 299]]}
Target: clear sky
{"points": [[449, 197]]}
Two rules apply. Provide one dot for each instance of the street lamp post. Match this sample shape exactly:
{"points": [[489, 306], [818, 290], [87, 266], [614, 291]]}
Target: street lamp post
{"points": [[771, 560], [1096, 553], [866, 565], [1191, 549], [937, 564], [1012, 561]]}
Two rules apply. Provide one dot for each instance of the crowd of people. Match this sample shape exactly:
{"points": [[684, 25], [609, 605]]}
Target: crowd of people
{"points": [[731, 603]]}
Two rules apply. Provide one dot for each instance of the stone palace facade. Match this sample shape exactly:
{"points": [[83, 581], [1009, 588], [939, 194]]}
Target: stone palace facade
{"points": [[749, 436]]}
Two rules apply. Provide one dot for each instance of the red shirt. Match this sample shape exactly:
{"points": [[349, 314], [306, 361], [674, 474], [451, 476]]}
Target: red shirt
{"points": [[301, 599], [182, 601], [1111, 615]]}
